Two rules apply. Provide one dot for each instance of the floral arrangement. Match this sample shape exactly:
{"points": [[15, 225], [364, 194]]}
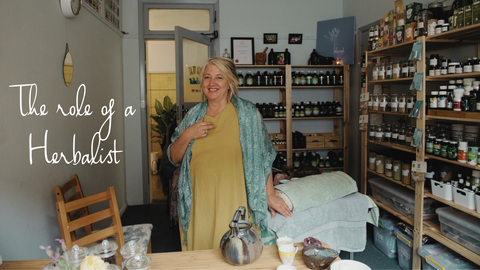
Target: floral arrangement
{"points": [[62, 262]]}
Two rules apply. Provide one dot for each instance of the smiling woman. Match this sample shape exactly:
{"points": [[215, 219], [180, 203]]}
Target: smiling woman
{"points": [[219, 146]]}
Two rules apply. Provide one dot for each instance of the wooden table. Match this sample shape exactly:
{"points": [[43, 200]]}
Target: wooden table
{"points": [[201, 259]]}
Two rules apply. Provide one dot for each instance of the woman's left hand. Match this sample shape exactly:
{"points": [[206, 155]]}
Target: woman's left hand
{"points": [[276, 203]]}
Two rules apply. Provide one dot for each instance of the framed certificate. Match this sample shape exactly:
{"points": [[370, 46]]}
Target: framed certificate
{"points": [[242, 51]]}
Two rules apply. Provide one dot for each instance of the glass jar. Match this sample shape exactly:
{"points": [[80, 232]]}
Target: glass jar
{"points": [[406, 172], [412, 68], [106, 251], [370, 103], [389, 71], [388, 166], [405, 71], [401, 135], [397, 169], [383, 103], [380, 163], [372, 156], [387, 133], [379, 135], [381, 72], [76, 255], [129, 250], [410, 103], [395, 131], [394, 103], [376, 102], [424, 16], [139, 262], [408, 136], [375, 72], [396, 70], [402, 104]]}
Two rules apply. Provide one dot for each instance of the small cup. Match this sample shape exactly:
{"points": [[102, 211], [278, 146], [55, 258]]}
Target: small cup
{"points": [[287, 254], [284, 241], [286, 267]]}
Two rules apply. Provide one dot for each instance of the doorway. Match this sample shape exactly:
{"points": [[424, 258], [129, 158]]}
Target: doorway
{"points": [[160, 74]]}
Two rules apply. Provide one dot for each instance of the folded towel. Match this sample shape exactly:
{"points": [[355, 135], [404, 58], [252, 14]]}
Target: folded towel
{"points": [[315, 190]]}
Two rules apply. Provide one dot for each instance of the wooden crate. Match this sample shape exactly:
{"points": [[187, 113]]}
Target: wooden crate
{"points": [[333, 140], [314, 140], [279, 136]]}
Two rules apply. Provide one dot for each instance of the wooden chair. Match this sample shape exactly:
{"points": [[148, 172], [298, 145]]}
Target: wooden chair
{"points": [[70, 191], [70, 221]]}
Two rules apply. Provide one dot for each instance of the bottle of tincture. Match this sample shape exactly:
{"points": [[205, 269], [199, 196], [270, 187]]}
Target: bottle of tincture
{"points": [[249, 79], [271, 57], [240, 79], [287, 57]]}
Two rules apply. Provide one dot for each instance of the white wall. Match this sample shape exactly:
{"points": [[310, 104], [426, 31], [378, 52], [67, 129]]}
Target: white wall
{"points": [[34, 34]]}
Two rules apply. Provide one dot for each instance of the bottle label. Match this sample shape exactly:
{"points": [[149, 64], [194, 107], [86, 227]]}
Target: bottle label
{"points": [[451, 69], [429, 147], [372, 133], [379, 134], [431, 72], [315, 80], [401, 104], [443, 71], [476, 68], [240, 81], [405, 172], [249, 81], [410, 105], [388, 134], [401, 137], [388, 166], [442, 102], [458, 70], [394, 136], [467, 69], [378, 162]]}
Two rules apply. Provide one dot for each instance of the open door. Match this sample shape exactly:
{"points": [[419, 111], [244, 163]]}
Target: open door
{"points": [[191, 51]]}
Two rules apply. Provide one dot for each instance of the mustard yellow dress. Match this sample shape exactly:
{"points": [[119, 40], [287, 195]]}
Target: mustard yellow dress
{"points": [[218, 182]]}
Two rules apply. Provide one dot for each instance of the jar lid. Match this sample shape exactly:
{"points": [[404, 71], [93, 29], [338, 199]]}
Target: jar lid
{"points": [[454, 142], [454, 64], [131, 248], [443, 93], [443, 87], [139, 261], [106, 249], [112, 266], [434, 92], [463, 144], [77, 253]]}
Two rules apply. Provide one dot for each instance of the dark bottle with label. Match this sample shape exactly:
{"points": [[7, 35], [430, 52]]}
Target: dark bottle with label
{"points": [[334, 79], [340, 78], [240, 79], [328, 78], [287, 57], [321, 79], [271, 57], [338, 109], [314, 78], [257, 79], [249, 79], [395, 134], [401, 135]]}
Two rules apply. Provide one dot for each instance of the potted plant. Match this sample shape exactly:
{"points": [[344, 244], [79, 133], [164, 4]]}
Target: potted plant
{"points": [[164, 118]]}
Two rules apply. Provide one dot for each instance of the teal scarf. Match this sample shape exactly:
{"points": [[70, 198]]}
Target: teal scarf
{"points": [[258, 156]]}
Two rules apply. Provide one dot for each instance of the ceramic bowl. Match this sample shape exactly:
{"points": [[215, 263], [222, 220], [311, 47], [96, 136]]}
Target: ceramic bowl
{"points": [[317, 257]]}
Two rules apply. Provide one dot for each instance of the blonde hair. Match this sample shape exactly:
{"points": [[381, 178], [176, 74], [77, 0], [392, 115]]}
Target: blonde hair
{"points": [[227, 67]]}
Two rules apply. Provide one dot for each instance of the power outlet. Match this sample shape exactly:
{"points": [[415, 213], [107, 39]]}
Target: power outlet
{"points": [[142, 104]]}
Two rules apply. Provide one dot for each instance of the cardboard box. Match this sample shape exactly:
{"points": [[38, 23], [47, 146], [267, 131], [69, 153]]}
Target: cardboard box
{"points": [[476, 11], [410, 31], [315, 140], [385, 30], [399, 13], [391, 28], [411, 12], [400, 34]]}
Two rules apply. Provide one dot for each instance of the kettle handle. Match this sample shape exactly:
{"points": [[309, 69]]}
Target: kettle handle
{"points": [[240, 213]]}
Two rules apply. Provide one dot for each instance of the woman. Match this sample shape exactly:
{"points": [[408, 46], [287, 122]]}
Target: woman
{"points": [[225, 155]]}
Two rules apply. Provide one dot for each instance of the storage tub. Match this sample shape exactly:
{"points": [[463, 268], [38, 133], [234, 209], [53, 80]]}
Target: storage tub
{"points": [[464, 197], [385, 237], [439, 257], [399, 198], [404, 249], [442, 190], [460, 227]]}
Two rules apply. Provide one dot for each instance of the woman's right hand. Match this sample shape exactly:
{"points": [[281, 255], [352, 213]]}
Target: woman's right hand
{"points": [[200, 129]]}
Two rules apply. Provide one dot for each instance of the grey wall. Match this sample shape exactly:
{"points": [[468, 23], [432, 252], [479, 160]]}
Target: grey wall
{"points": [[34, 34]]}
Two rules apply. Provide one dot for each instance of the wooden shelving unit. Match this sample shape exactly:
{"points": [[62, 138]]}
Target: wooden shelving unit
{"points": [[422, 226], [340, 93]]}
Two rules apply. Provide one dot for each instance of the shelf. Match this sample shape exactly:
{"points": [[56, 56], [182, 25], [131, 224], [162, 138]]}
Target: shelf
{"points": [[451, 76], [317, 118], [262, 87], [318, 66], [392, 113], [392, 211], [453, 204], [392, 81], [397, 50], [330, 168], [453, 115], [260, 66], [391, 179], [395, 146], [467, 34], [432, 229], [453, 162], [317, 148], [275, 119], [316, 86]]}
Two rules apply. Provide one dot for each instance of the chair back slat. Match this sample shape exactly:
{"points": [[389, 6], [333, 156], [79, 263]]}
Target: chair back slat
{"points": [[67, 225]]}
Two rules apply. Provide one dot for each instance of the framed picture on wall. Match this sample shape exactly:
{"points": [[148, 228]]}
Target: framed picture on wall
{"points": [[295, 38], [279, 58], [270, 38], [242, 50]]}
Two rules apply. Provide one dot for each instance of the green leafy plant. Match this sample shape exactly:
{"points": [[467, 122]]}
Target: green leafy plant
{"points": [[165, 117]]}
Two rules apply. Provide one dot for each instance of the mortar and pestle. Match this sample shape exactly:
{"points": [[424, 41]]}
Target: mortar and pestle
{"points": [[261, 58]]}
